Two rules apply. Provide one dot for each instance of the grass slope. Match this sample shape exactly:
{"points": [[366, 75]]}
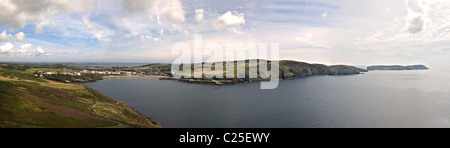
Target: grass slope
{"points": [[29, 102], [294, 69]]}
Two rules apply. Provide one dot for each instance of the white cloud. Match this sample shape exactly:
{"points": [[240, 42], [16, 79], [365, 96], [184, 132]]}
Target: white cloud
{"points": [[71, 6], [17, 13], [415, 25], [99, 32], [416, 5], [20, 37], [230, 21], [40, 26], [134, 26], [422, 22], [88, 23], [158, 19], [26, 48], [6, 48], [357, 29], [199, 15], [416, 14], [39, 51], [145, 37], [140, 5], [173, 11], [4, 37], [7, 37], [325, 14]]}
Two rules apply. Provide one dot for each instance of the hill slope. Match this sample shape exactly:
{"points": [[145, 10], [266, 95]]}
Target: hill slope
{"points": [[26, 101], [287, 70]]}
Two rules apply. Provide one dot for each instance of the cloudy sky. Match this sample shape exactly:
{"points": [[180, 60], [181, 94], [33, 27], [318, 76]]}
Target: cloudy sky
{"points": [[357, 32]]}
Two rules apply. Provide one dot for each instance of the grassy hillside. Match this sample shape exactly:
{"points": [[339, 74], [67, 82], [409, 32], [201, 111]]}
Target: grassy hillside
{"points": [[27, 101], [287, 70], [158, 66]]}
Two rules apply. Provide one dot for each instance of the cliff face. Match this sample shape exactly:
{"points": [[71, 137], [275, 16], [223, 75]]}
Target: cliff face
{"points": [[27, 101], [397, 67], [293, 69]]}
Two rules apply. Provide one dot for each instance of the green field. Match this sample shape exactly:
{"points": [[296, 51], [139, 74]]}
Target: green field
{"points": [[159, 66]]}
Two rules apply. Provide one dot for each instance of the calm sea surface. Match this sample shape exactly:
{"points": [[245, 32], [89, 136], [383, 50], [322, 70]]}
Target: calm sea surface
{"points": [[375, 99]]}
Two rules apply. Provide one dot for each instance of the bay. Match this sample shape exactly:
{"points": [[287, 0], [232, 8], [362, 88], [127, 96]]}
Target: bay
{"points": [[373, 99]]}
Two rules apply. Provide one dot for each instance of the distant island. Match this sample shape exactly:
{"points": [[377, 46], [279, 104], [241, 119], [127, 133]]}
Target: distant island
{"points": [[397, 67]]}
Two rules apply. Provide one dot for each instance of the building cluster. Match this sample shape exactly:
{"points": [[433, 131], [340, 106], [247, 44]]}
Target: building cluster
{"points": [[153, 71], [135, 72], [42, 73]]}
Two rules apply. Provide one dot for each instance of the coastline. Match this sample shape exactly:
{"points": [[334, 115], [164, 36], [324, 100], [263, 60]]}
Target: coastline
{"points": [[149, 118], [132, 108], [154, 123], [221, 82]]}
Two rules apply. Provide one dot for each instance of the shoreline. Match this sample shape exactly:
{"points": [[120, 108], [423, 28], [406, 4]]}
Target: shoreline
{"points": [[148, 118], [222, 82], [134, 77], [130, 107]]}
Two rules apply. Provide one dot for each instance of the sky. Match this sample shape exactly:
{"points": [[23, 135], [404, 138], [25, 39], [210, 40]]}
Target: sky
{"points": [[355, 32]]}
